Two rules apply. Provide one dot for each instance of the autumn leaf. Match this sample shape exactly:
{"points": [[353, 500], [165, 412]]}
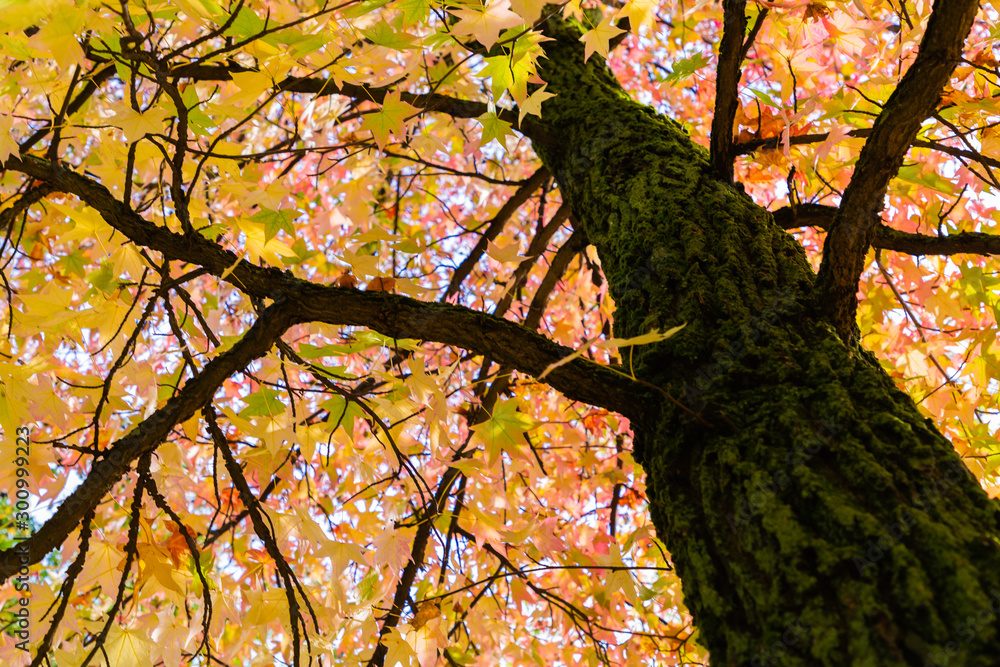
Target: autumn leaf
{"points": [[487, 24], [381, 284], [135, 125], [126, 646], [389, 119], [639, 13], [598, 38], [533, 104], [504, 430], [494, 129]]}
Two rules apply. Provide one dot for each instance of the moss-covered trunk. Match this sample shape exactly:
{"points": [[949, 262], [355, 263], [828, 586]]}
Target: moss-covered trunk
{"points": [[813, 515]]}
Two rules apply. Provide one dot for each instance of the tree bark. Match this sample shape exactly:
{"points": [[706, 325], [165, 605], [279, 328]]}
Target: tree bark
{"points": [[814, 516]]}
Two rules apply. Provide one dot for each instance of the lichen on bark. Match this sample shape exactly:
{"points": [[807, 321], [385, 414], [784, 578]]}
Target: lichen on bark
{"points": [[813, 515]]}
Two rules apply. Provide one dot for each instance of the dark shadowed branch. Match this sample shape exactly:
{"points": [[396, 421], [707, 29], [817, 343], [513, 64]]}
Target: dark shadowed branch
{"points": [[727, 80], [887, 238], [147, 436], [913, 100], [391, 315]]}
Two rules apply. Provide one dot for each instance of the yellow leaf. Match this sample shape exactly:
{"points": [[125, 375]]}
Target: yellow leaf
{"points": [[598, 39], [58, 36], [126, 260], [126, 647], [135, 125], [529, 10], [251, 85], [989, 138], [266, 606], [399, 653], [533, 104], [639, 13], [157, 563], [258, 247], [88, 225], [505, 254], [487, 24], [644, 339]]}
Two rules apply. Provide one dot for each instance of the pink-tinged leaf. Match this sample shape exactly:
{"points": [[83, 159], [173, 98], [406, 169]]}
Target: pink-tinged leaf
{"points": [[486, 25]]}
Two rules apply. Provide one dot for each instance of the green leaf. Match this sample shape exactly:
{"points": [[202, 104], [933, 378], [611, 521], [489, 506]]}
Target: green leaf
{"points": [[103, 279], [362, 8], [275, 221], [929, 177], [383, 34], [494, 129], [682, 69], [504, 430], [246, 24], [302, 253], [765, 98], [263, 402], [389, 119], [75, 262], [414, 11]]}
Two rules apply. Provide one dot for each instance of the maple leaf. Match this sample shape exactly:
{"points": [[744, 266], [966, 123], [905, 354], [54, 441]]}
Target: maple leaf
{"points": [[127, 646], [486, 24], [529, 10], [135, 125], [599, 38], [176, 545], [399, 653], [383, 34], [275, 221], [533, 104], [505, 254], [389, 119], [639, 13], [504, 430], [494, 129]]}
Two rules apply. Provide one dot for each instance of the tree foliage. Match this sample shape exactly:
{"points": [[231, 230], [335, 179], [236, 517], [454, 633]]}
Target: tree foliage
{"points": [[319, 366]]}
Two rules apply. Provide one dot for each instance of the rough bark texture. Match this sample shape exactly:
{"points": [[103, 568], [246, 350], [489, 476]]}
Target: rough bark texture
{"points": [[813, 515]]}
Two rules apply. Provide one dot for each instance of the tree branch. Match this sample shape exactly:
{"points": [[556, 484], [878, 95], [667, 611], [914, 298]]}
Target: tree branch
{"points": [[887, 238], [391, 315], [146, 437], [913, 100], [496, 226], [727, 80], [452, 106]]}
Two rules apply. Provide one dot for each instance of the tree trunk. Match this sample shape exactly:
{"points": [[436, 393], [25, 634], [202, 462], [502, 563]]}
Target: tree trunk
{"points": [[813, 515]]}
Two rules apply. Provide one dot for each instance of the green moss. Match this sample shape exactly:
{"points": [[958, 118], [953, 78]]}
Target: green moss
{"points": [[809, 490]]}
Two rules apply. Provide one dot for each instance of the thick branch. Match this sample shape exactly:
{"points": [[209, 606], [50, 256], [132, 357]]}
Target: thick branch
{"points": [[507, 342], [885, 237], [146, 437], [913, 100], [773, 143], [734, 27], [452, 106]]}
